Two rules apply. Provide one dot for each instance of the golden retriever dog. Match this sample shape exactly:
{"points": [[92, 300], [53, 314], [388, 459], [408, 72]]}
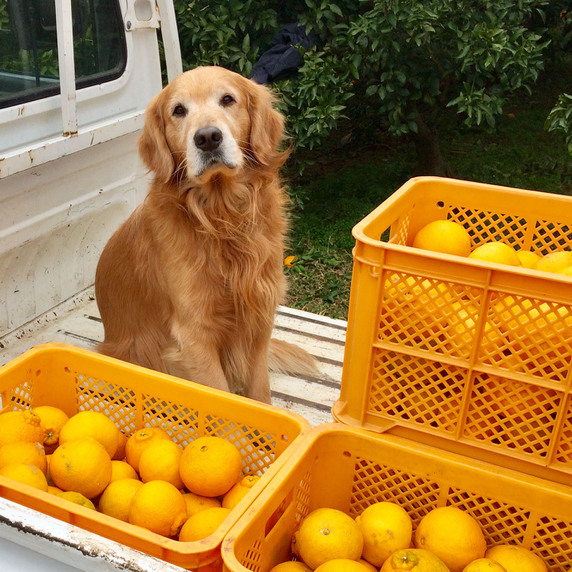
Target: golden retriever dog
{"points": [[190, 283]]}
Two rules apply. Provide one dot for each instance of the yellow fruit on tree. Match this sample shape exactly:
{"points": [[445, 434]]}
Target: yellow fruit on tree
{"points": [[159, 507], [116, 499], [292, 566], [444, 236], [76, 498], [20, 426], [24, 452], [413, 560], [497, 252], [137, 442], [342, 565], [527, 259], [91, 424], [386, 527], [325, 534], [196, 503], [451, 534], [26, 474], [516, 558], [122, 470], [484, 565], [203, 524], [555, 261], [239, 491], [52, 420], [210, 466], [82, 465], [161, 460]]}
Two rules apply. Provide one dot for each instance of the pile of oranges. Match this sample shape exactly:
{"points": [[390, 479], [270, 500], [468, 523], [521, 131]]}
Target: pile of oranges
{"points": [[449, 237], [381, 538], [145, 478]]}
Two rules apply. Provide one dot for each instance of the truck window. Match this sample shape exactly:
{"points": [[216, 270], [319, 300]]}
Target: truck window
{"points": [[29, 50]]}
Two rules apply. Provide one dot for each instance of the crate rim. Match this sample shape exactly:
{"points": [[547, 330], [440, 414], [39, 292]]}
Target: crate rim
{"points": [[358, 230]]}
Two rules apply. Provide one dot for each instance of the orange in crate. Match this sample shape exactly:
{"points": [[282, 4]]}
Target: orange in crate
{"points": [[350, 469], [134, 397], [465, 354]]}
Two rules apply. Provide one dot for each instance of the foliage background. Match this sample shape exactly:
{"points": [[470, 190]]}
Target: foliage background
{"points": [[500, 109]]}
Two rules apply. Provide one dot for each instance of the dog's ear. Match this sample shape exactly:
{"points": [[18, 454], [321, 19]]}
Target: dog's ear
{"points": [[153, 147], [266, 125]]}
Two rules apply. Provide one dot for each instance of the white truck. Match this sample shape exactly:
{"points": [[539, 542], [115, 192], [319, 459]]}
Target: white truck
{"points": [[75, 78]]}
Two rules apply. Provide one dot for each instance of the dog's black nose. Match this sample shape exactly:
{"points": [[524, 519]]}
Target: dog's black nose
{"points": [[208, 138]]}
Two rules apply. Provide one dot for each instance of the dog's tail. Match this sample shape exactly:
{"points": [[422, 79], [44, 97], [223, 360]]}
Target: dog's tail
{"points": [[284, 357]]}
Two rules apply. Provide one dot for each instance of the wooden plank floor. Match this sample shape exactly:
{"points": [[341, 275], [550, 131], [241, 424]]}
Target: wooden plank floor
{"points": [[77, 323]]}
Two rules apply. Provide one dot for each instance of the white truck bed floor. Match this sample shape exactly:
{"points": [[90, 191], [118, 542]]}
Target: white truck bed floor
{"points": [[77, 323]]}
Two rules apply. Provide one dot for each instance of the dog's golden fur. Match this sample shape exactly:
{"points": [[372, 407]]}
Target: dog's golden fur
{"points": [[190, 283]]}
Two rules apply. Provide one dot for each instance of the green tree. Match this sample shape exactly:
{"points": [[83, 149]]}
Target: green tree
{"points": [[560, 118], [414, 58], [394, 64]]}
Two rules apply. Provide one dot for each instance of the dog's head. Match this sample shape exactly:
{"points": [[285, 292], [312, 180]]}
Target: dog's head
{"points": [[210, 121]]}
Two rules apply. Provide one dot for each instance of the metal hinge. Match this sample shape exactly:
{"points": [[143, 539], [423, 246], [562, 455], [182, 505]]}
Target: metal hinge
{"points": [[141, 14]]}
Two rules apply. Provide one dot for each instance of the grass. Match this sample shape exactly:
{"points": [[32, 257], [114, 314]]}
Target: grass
{"points": [[346, 182]]}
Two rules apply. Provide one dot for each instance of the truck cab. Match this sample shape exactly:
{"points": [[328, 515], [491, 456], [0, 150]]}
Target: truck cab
{"points": [[75, 78]]}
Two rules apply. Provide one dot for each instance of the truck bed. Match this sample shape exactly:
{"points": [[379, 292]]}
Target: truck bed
{"points": [[31, 540], [77, 323]]}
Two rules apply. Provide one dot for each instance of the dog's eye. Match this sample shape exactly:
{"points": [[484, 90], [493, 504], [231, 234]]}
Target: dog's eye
{"points": [[179, 111], [227, 100]]}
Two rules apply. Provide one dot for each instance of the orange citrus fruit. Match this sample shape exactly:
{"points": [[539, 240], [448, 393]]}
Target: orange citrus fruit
{"points": [[210, 466], [161, 461], [386, 527], [239, 491], [91, 424], [368, 565], [527, 259], [342, 565], [122, 470], [516, 558], [76, 498], [555, 261], [139, 440], [196, 503], [159, 507], [54, 490], [292, 566], [82, 465], [203, 524], [453, 535], [24, 452], [325, 534], [484, 565], [26, 474], [117, 496], [52, 419], [20, 426], [413, 560], [444, 236], [120, 452], [497, 252]]}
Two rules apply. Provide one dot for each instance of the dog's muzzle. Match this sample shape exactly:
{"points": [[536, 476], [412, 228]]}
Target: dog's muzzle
{"points": [[213, 149]]}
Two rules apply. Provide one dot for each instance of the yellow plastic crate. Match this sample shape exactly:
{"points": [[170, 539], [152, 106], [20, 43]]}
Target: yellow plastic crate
{"points": [[467, 355], [134, 397], [347, 468]]}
